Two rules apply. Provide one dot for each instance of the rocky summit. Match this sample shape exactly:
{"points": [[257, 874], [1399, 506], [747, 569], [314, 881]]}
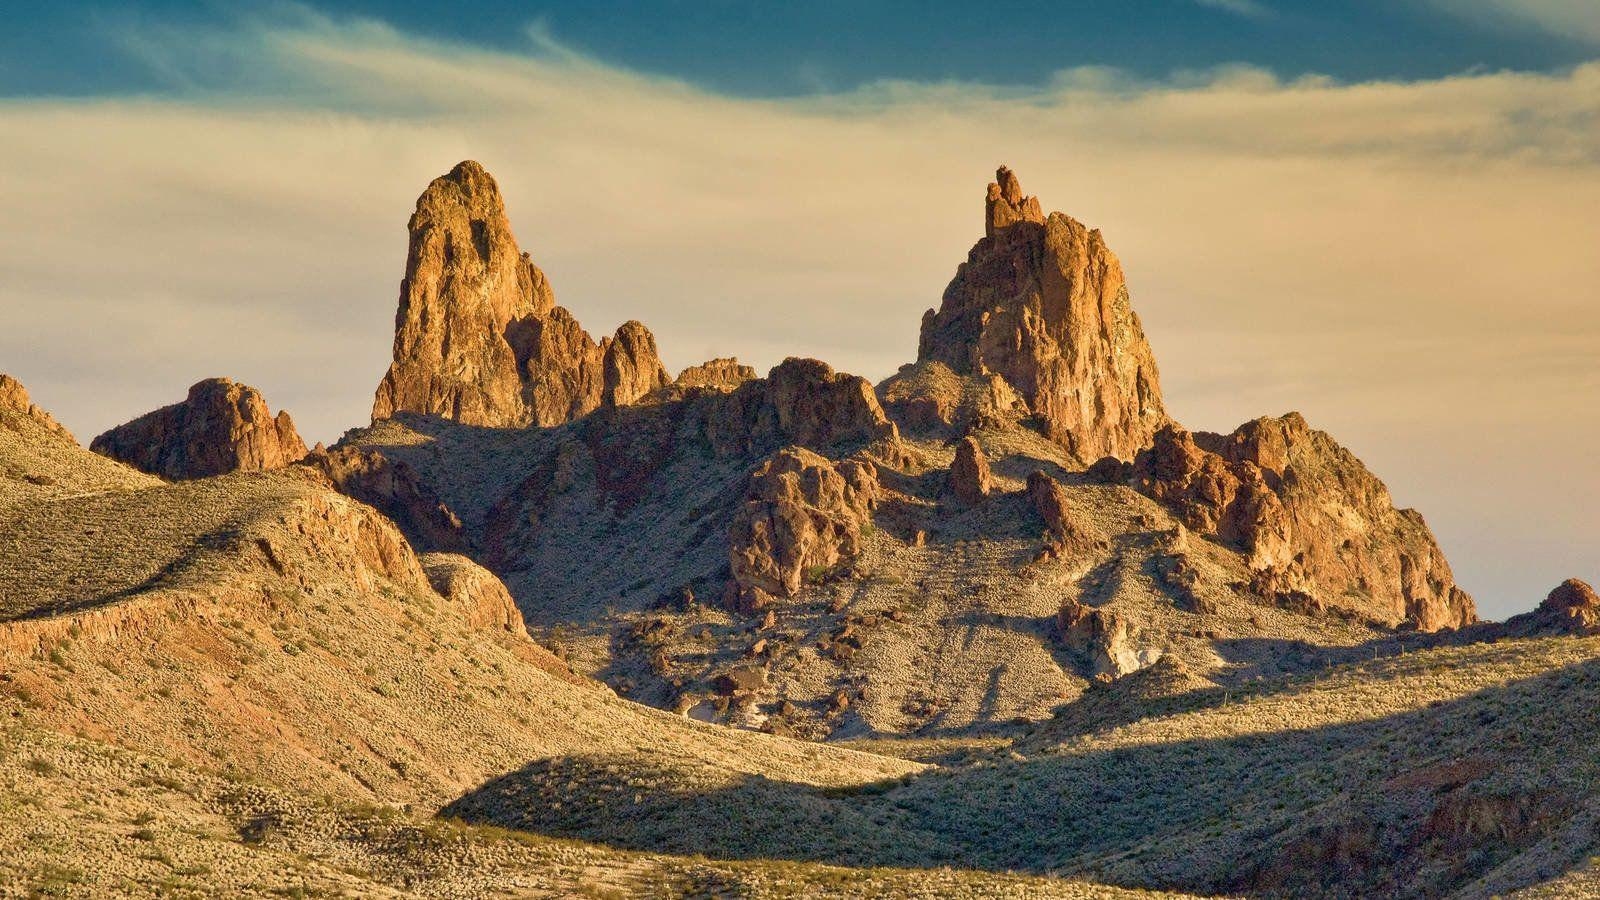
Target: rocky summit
{"points": [[1042, 302], [556, 624], [479, 338], [220, 427]]}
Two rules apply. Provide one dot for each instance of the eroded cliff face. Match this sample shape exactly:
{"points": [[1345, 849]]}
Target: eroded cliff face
{"points": [[220, 427], [1319, 529], [478, 336], [1042, 302], [14, 398]]}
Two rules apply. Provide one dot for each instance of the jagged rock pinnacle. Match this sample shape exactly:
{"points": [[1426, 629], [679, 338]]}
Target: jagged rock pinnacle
{"points": [[478, 335], [1041, 301]]}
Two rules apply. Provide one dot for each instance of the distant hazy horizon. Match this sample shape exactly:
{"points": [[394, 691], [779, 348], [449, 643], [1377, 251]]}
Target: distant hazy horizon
{"points": [[1406, 257]]}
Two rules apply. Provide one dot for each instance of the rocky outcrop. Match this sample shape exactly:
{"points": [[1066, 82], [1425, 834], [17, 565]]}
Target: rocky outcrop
{"points": [[1065, 535], [1101, 636], [930, 397], [801, 401], [1215, 496], [478, 337], [466, 283], [1572, 608], [722, 374], [14, 398], [220, 427], [1042, 302], [1320, 531], [970, 480], [481, 598], [629, 365], [395, 489], [802, 515]]}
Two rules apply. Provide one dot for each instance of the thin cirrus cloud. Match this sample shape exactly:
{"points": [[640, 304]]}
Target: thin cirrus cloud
{"points": [[1249, 9], [1572, 19], [1409, 264]]}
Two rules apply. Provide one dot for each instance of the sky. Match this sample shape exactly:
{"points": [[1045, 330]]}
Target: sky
{"points": [[1383, 215]]}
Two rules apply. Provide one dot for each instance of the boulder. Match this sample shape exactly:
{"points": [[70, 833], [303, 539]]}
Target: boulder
{"points": [[220, 427], [970, 480], [1101, 636], [802, 515]]}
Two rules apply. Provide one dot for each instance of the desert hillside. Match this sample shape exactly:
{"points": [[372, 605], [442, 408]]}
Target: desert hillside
{"points": [[557, 623]]}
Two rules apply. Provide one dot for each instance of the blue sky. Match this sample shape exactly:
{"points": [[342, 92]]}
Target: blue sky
{"points": [[1380, 215], [784, 49]]}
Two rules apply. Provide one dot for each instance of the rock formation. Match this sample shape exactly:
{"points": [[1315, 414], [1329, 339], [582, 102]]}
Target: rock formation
{"points": [[478, 337], [723, 374], [1319, 529], [1042, 302], [629, 365], [801, 401], [970, 480], [394, 488], [1101, 636], [14, 398], [803, 513], [481, 597], [929, 396], [1064, 534], [1572, 608], [220, 427]]}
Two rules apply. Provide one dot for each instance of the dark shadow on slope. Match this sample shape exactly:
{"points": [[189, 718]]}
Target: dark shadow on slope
{"points": [[1413, 804]]}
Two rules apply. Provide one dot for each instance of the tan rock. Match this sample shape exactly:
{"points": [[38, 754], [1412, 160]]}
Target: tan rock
{"points": [[1042, 302], [395, 489], [465, 284], [802, 515], [970, 481], [801, 401], [1572, 608], [481, 598], [930, 397], [478, 337], [723, 374], [14, 398], [220, 427], [1101, 636], [631, 369], [1006, 206], [1065, 534], [1320, 529]]}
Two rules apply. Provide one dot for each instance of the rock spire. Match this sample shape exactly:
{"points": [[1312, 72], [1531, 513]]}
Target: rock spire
{"points": [[478, 336], [1042, 302]]}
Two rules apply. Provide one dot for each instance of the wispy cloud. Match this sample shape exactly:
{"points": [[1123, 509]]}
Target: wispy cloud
{"points": [[1571, 19], [1249, 9], [1409, 263]]}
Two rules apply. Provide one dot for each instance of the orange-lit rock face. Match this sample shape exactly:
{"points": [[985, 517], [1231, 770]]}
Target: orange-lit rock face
{"points": [[1042, 302], [1311, 517], [478, 337], [220, 427]]}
